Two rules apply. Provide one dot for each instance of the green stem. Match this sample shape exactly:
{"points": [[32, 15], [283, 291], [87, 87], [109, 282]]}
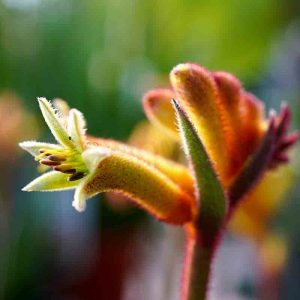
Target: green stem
{"points": [[197, 266]]}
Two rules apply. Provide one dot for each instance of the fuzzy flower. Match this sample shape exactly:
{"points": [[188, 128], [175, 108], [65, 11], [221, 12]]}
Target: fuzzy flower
{"points": [[90, 166]]}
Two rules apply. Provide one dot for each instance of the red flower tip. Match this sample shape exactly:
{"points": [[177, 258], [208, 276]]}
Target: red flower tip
{"points": [[283, 140]]}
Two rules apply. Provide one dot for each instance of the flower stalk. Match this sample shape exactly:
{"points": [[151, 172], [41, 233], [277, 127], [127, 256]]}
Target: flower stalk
{"points": [[197, 269]]}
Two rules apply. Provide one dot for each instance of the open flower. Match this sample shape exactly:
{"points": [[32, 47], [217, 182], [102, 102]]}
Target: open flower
{"points": [[92, 165], [66, 158]]}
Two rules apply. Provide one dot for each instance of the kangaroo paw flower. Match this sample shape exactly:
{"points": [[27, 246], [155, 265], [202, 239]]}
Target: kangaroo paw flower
{"points": [[232, 153], [92, 166]]}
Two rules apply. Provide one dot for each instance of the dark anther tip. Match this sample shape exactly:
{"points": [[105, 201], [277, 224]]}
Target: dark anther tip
{"points": [[56, 158], [76, 176]]}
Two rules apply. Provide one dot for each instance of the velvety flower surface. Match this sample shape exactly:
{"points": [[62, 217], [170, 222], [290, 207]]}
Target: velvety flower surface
{"points": [[233, 126], [90, 166]]}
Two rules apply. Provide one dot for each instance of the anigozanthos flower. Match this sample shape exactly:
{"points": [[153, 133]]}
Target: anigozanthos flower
{"points": [[64, 158], [229, 120], [90, 166], [232, 126], [222, 123], [227, 140]]}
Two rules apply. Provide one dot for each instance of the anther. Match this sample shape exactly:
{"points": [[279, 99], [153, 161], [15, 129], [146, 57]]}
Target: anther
{"points": [[57, 158], [64, 170], [49, 162], [76, 176], [44, 151]]}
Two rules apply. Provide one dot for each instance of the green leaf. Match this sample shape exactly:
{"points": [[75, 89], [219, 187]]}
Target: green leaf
{"points": [[209, 191]]}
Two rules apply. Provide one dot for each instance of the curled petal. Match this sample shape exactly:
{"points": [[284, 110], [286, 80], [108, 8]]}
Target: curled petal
{"points": [[51, 181], [80, 198], [132, 177], [197, 93], [158, 108]]}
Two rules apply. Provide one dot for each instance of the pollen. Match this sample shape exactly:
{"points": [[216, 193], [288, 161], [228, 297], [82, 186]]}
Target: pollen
{"points": [[66, 160]]}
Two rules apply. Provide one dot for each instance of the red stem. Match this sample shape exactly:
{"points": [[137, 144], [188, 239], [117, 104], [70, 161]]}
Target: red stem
{"points": [[197, 267]]}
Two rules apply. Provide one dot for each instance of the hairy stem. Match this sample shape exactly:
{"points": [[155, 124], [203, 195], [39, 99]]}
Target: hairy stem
{"points": [[197, 267]]}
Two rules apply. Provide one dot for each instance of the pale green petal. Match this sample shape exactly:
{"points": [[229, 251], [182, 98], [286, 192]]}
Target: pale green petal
{"points": [[76, 128], [54, 123], [62, 106], [34, 147], [91, 157], [79, 202], [51, 181]]}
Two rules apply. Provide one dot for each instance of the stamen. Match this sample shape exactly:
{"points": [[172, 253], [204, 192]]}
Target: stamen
{"points": [[65, 169], [57, 157], [67, 161], [49, 162], [44, 151], [76, 176]]}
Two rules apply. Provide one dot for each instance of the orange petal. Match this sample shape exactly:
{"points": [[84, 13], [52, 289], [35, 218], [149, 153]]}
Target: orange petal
{"points": [[147, 186], [158, 109], [253, 124], [197, 92], [230, 94], [148, 137], [176, 172]]}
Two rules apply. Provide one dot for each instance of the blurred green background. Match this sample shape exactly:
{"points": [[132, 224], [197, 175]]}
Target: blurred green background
{"points": [[101, 56]]}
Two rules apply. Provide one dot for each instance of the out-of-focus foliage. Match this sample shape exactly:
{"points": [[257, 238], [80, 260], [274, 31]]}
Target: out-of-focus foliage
{"points": [[101, 55]]}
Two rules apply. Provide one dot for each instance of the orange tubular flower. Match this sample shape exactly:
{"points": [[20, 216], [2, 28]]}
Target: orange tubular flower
{"points": [[228, 142], [230, 121]]}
